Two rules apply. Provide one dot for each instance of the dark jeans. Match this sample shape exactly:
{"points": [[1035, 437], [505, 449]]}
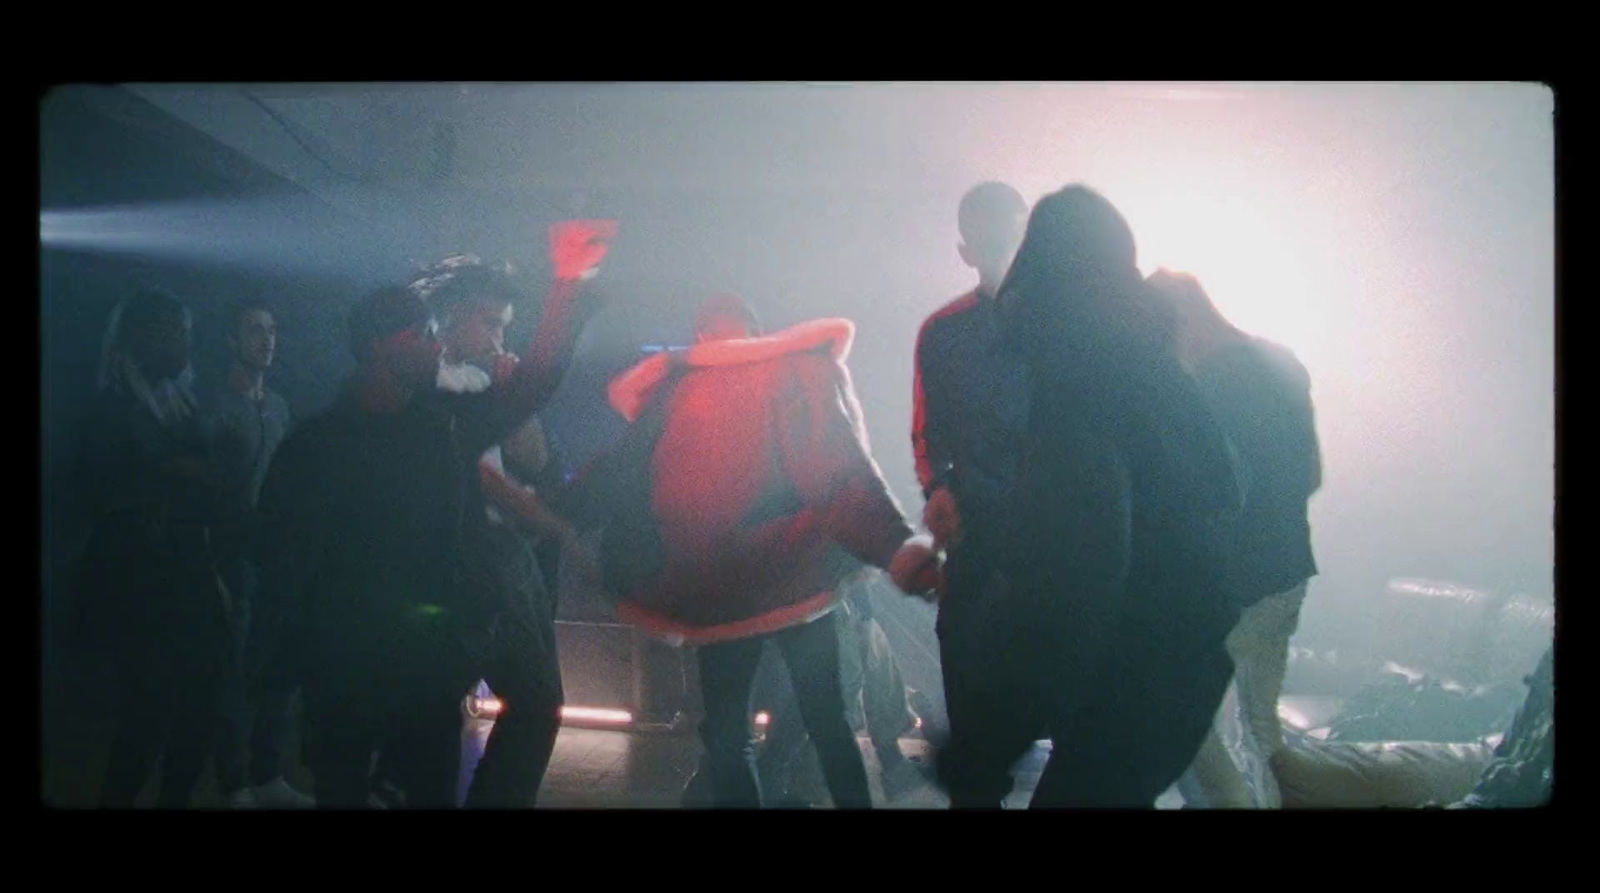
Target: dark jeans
{"points": [[406, 713], [993, 720], [727, 674], [267, 693], [524, 671], [168, 692], [875, 696]]}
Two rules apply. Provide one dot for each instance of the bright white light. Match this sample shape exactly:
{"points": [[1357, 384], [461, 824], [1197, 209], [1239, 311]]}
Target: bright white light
{"points": [[1243, 248], [1434, 589], [763, 717], [597, 714]]}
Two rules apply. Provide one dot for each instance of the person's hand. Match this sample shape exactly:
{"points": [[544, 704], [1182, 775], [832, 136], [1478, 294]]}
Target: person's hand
{"points": [[942, 517], [917, 569], [505, 365], [578, 246]]}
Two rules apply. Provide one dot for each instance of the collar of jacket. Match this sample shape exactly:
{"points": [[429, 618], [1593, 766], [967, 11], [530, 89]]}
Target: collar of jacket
{"points": [[630, 392]]}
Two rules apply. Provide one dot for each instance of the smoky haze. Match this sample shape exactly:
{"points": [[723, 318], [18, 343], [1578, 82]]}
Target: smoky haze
{"points": [[1399, 238]]}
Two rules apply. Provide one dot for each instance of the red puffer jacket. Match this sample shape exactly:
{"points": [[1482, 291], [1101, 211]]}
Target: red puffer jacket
{"points": [[764, 486]]}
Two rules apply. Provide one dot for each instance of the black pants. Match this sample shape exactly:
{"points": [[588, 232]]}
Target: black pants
{"points": [[409, 720], [727, 673], [875, 697], [523, 670], [992, 714], [1119, 743], [168, 695], [257, 714], [1138, 737]]}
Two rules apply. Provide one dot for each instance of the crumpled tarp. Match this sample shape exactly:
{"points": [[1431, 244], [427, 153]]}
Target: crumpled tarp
{"points": [[1412, 706], [1406, 741], [1523, 771], [1389, 774], [1409, 742]]}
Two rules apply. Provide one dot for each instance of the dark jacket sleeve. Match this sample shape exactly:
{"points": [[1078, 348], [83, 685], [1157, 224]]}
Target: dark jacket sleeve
{"points": [[1300, 424], [927, 441], [1207, 471], [1262, 396], [826, 454]]}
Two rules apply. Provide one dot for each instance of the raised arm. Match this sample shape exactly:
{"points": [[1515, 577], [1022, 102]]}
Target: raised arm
{"points": [[576, 248]]}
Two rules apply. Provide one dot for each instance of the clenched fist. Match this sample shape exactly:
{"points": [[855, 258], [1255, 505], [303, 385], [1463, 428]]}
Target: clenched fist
{"points": [[917, 569], [578, 246]]}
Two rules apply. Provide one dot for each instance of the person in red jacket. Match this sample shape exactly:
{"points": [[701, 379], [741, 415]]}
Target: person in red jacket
{"points": [[766, 498]]}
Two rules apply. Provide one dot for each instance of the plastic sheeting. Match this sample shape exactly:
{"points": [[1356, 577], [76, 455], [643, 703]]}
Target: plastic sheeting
{"points": [[1391, 774], [1259, 790], [1476, 636], [1523, 772], [1411, 706], [1406, 737]]}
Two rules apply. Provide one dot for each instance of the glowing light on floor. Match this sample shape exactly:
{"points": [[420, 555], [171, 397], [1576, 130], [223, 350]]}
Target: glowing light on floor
{"points": [[597, 714]]}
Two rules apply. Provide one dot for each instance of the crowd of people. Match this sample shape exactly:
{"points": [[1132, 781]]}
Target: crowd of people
{"points": [[1115, 480]]}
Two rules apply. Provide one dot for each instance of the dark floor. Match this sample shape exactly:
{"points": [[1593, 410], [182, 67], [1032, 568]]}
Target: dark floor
{"points": [[591, 768], [598, 768]]}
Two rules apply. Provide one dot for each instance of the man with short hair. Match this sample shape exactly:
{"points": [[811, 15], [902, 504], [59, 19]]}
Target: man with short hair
{"points": [[970, 402], [523, 670], [244, 422], [376, 535]]}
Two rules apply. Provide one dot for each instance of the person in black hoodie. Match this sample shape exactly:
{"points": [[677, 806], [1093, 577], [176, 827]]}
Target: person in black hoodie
{"points": [[152, 596], [1106, 612], [374, 531]]}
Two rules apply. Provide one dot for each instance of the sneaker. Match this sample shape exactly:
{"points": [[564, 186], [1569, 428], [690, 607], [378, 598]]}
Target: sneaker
{"points": [[384, 795], [277, 794], [243, 798]]}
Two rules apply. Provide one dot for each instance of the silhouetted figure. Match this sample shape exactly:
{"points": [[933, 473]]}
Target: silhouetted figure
{"points": [[969, 407], [244, 423], [152, 598], [1261, 395], [376, 526], [1107, 608], [765, 497], [475, 306]]}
